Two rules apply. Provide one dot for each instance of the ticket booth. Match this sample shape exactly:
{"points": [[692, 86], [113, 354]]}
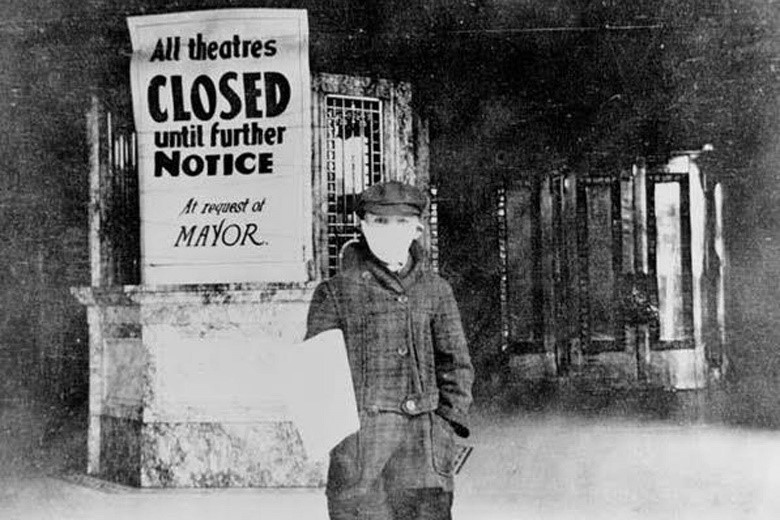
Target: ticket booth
{"points": [[178, 396], [614, 277]]}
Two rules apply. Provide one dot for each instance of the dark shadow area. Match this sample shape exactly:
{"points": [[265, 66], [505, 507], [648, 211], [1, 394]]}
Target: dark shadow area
{"points": [[723, 405], [42, 439]]}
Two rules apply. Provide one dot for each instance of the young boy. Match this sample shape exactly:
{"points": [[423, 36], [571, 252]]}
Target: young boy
{"points": [[410, 367]]}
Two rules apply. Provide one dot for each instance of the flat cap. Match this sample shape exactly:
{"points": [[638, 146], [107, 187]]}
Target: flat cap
{"points": [[392, 198]]}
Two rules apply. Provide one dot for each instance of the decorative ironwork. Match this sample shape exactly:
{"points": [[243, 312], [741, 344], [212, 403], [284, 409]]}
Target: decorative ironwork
{"points": [[433, 221], [353, 161], [503, 266], [121, 205]]}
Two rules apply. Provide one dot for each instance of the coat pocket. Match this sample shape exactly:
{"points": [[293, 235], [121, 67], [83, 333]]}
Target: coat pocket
{"points": [[442, 445], [344, 468]]}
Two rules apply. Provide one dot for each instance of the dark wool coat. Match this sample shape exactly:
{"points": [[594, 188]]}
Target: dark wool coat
{"points": [[410, 368]]}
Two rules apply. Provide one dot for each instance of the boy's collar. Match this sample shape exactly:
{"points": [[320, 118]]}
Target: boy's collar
{"points": [[400, 270], [405, 278]]}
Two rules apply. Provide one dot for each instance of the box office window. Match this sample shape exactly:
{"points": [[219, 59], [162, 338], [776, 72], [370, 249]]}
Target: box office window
{"points": [[365, 132], [353, 162]]}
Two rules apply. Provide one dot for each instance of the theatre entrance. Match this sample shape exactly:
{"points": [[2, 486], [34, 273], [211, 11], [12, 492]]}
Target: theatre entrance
{"points": [[614, 278]]}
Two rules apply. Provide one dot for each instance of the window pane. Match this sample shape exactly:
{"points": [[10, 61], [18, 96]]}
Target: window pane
{"points": [[669, 262], [627, 219], [601, 272], [523, 273]]}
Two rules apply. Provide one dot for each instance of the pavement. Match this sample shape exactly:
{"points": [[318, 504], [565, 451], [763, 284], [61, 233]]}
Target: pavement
{"points": [[524, 466]]}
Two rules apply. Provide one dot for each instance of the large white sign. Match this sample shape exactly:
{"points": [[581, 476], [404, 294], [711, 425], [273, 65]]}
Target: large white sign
{"points": [[221, 101]]}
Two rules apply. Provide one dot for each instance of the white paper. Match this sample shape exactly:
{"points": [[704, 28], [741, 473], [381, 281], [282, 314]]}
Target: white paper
{"points": [[319, 392]]}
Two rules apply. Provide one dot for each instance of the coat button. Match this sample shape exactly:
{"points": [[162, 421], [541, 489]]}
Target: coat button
{"points": [[403, 298], [372, 409], [366, 275], [410, 406], [402, 351]]}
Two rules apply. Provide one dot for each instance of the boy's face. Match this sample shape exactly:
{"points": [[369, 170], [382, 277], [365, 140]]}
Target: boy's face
{"points": [[389, 236]]}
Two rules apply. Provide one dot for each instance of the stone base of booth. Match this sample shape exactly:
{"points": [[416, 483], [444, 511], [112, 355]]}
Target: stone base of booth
{"points": [[120, 453], [185, 389], [160, 455]]}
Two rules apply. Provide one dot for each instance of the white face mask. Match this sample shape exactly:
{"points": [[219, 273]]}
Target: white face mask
{"points": [[389, 238]]}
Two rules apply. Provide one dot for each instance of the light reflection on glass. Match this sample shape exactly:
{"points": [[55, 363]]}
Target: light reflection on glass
{"points": [[352, 158], [720, 250], [669, 262]]}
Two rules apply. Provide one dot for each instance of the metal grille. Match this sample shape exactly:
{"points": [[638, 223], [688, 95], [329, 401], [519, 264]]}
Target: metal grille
{"points": [[434, 227], [354, 161], [504, 266], [120, 204]]}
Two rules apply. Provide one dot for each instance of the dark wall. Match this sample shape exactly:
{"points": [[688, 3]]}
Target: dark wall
{"points": [[508, 87], [43, 196]]}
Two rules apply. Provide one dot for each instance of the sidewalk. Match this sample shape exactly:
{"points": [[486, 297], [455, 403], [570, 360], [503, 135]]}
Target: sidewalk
{"points": [[530, 467], [68, 499]]}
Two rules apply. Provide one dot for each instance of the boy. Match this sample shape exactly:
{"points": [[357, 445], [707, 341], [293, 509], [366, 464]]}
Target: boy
{"points": [[410, 367]]}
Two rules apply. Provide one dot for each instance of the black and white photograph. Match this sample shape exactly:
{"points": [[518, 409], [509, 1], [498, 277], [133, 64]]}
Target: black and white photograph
{"points": [[389, 260]]}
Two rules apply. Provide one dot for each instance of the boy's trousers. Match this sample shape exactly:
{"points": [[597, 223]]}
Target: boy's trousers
{"points": [[408, 504], [396, 467]]}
